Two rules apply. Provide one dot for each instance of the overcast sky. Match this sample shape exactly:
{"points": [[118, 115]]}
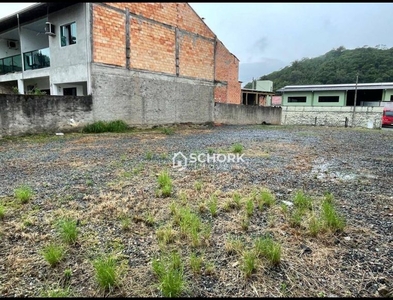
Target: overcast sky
{"points": [[268, 36]]}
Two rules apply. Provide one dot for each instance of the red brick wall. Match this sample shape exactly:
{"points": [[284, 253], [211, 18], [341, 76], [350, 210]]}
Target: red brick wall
{"points": [[179, 15], [196, 57], [152, 47], [226, 70], [109, 46]]}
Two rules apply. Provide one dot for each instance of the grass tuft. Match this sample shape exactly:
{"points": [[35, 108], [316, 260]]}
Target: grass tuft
{"points": [[265, 246], [169, 270], [237, 148], [68, 230], [249, 207], [165, 183], [2, 211], [167, 131], [330, 217], [249, 262], [53, 254], [106, 273], [196, 263], [165, 234], [302, 201], [23, 193], [213, 205], [265, 198]]}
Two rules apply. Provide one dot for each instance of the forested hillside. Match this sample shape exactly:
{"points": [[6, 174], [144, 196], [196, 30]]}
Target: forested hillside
{"points": [[337, 66]]}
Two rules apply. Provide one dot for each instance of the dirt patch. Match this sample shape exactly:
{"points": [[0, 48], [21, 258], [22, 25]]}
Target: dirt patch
{"points": [[108, 184]]}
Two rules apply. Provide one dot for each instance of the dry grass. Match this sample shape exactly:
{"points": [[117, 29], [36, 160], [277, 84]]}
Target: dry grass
{"points": [[220, 248]]}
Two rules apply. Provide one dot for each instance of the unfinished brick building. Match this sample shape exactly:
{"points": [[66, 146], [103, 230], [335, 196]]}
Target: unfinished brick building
{"points": [[144, 63]]}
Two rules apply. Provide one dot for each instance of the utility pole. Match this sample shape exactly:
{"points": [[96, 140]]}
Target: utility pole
{"points": [[354, 101]]}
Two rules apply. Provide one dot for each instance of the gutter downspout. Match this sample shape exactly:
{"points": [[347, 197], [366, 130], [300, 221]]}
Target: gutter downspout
{"points": [[21, 91], [88, 21]]}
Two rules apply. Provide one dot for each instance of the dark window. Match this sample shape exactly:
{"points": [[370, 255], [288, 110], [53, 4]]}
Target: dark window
{"points": [[328, 99], [69, 91], [296, 99], [68, 34], [391, 97]]}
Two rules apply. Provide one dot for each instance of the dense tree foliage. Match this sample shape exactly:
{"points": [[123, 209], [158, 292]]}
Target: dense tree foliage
{"points": [[337, 66]]}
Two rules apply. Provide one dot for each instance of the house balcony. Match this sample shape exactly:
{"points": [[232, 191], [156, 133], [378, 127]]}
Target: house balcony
{"points": [[37, 59], [10, 64]]}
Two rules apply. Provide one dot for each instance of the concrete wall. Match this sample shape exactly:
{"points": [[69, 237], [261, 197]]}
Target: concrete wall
{"points": [[332, 116], [235, 114], [144, 98], [5, 51], [22, 114]]}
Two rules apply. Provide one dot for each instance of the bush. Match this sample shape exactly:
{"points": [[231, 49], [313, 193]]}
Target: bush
{"points": [[101, 126]]}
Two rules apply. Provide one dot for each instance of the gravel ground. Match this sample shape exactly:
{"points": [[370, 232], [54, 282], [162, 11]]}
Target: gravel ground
{"points": [[101, 179]]}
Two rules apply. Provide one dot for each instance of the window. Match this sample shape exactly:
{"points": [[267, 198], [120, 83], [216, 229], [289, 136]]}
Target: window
{"points": [[328, 99], [391, 97], [297, 99], [69, 91], [68, 34]]}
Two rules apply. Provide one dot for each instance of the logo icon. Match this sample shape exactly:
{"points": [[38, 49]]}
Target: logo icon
{"points": [[179, 160]]}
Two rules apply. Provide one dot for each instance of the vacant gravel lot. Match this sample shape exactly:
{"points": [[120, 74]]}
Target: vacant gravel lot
{"points": [[107, 183]]}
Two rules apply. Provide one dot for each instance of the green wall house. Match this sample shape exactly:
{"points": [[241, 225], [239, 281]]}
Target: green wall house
{"points": [[366, 94], [334, 104]]}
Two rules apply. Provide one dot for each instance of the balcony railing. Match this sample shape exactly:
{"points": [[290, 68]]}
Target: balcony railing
{"points": [[10, 64], [37, 59]]}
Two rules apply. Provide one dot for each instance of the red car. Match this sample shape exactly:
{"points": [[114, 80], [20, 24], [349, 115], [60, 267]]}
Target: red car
{"points": [[387, 117]]}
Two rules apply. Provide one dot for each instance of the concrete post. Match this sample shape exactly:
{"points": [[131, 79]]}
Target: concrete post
{"points": [[21, 86]]}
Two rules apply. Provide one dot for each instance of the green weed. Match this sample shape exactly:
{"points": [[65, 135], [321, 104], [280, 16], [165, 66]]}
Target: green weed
{"points": [[249, 263], [53, 254], [237, 148], [106, 272], [170, 273], [265, 246], [68, 230], [23, 193]]}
